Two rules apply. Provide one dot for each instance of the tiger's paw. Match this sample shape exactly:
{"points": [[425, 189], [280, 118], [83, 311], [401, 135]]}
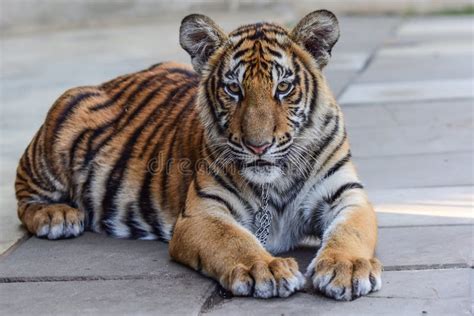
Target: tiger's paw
{"points": [[57, 221], [344, 278], [279, 278]]}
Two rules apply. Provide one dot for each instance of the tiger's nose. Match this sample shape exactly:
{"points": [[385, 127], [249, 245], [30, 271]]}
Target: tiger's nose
{"points": [[257, 149]]}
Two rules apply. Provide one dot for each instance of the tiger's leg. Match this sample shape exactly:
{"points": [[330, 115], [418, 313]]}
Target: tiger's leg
{"points": [[208, 239], [53, 221], [345, 267], [41, 197]]}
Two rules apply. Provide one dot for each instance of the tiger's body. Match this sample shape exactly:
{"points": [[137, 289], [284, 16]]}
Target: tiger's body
{"points": [[190, 157]]}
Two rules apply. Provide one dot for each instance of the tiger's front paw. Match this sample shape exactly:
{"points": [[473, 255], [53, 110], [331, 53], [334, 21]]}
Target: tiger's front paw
{"points": [[278, 278], [342, 277]]}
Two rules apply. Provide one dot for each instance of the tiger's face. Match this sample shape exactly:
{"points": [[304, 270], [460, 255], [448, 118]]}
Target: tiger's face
{"points": [[259, 87]]}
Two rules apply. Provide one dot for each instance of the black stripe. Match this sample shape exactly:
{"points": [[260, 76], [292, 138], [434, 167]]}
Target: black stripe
{"points": [[312, 104], [217, 199], [337, 166], [136, 230], [112, 100], [26, 167], [242, 52], [152, 67], [343, 140], [337, 194], [37, 165], [229, 188], [326, 140], [274, 52], [75, 146], [209, 104], [111, 84], [76, 100]]}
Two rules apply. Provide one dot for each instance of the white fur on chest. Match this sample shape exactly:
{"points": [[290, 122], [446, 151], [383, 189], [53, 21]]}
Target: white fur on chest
{"points": [[292, 224]]}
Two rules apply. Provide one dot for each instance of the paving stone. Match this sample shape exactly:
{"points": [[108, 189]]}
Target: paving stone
{"points": [[445, 113], [424, 206], [434, 292], [408, 91], [424, 170], [437, 26], [355, 33], [157, 279], [403, 140], [446, 127], [166, 296], [338, 79], [98, 255], [10, 232], [427, 48], [91, 254], [354, 61], [401, 248], [425, 245], [426, 66]]}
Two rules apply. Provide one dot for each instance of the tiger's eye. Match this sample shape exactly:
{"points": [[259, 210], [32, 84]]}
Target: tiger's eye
{"points": [[233, 88], [283, 87]]}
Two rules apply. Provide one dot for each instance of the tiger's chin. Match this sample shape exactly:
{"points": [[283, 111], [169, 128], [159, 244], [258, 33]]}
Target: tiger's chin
{"points": [[261, 174]]}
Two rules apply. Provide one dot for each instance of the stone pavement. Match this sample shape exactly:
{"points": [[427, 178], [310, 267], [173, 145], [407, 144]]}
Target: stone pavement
{"points": [[406, 87]]}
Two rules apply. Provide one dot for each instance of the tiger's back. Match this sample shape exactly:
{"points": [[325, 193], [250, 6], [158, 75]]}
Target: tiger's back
{"points": [[111, 151]]}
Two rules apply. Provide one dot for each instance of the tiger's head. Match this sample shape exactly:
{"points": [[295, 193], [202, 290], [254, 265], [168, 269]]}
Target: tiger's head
{"points": [[260, 86]]}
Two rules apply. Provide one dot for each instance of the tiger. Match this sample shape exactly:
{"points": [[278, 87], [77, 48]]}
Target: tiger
{"points": [[231, 161]]}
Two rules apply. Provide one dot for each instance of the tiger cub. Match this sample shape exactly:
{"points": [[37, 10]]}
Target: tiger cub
{"points": [[231, 163]]}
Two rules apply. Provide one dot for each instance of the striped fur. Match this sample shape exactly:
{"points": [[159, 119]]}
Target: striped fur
{"points": [[179, 155]]}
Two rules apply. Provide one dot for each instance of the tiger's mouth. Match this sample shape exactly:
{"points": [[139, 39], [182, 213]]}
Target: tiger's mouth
{"points": [[261, 171], [259, 163]]}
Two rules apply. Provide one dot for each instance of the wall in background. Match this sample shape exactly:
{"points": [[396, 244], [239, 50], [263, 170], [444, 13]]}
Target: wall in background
{"points": [[27, 15]]}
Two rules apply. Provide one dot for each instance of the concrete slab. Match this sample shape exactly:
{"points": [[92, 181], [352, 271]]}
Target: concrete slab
{"points": [[354, 33], [11, 233], [401, 68], [424, 206], [444, 113], [338, 80], [408, 91], [436, 26], [453, 48], [403, 247], [10, 230], [409, 171], [412, 247], [166, 296], [403, 293], [348, 61], [91, 255], [407, 140]]}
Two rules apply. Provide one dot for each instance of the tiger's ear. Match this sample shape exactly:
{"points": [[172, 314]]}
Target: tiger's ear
{"points": [[200, 37], [317, 32]]}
